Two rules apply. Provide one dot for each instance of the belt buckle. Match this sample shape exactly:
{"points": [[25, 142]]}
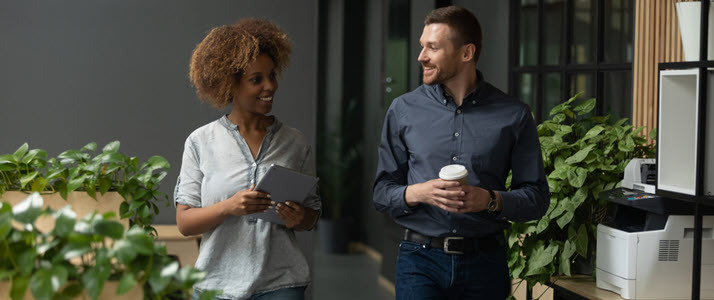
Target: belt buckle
{"points": [[447, 242]]}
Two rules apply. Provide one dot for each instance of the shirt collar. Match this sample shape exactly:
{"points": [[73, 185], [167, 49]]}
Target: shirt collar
{"points": [[473, 96], [271, 129]]}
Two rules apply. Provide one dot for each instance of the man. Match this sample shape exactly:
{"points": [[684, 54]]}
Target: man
{"points": [[454, 244]]}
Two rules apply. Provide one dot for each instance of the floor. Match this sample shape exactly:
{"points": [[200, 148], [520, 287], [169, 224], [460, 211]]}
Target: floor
{"points": [[346, 277]]}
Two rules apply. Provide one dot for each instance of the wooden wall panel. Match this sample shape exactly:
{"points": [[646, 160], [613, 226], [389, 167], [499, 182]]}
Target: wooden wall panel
{"points": [[657, 40]]}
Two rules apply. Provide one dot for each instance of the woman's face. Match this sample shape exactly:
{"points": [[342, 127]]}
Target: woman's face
{"points": [[255, 89]]}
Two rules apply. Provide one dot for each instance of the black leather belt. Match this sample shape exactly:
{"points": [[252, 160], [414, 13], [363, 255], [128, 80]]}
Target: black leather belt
{"points": [[454, 244]]}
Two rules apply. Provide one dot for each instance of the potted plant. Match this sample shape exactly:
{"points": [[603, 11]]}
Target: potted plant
{"points": [[582, 156], [80, 258], [340, 178], [108, 181]]}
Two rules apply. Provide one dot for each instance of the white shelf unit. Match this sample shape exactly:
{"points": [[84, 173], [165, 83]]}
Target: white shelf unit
{"points": [[678, 121]]}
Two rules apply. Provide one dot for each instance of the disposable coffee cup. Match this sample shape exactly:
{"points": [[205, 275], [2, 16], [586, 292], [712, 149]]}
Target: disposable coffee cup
{"points": [[454, 172]]}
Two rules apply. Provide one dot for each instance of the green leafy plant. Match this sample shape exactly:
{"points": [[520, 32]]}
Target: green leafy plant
{"points": [[81, 256], [78, 170], [582, 155], [337, 165]]}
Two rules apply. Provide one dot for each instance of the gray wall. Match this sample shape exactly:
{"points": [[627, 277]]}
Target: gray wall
{"points": [[493, 16], [72, 72]]}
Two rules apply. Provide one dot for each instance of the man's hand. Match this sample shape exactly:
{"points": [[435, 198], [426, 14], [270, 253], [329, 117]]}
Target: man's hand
{"points": [[445, 194], [450, 196], [246, 202], [476, 199]]}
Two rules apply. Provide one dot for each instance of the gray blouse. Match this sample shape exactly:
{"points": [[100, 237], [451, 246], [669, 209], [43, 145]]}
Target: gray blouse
{"points": [[243, 255]]}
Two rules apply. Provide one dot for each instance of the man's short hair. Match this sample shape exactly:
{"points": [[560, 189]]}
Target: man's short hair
{"points": [[463, 23]]}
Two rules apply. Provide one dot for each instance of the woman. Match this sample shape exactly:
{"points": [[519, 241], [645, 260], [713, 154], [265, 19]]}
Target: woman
{"points": [[245, 257]]}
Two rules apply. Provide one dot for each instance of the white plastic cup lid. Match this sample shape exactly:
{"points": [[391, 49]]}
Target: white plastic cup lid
{"points": [[453, 172]]}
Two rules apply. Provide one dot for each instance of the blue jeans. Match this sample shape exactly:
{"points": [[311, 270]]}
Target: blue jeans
{"points": [[429, 273], [296, 293]]}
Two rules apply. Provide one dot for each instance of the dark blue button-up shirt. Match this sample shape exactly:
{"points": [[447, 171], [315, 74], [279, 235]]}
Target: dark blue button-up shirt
{"points": [[490, 134]]}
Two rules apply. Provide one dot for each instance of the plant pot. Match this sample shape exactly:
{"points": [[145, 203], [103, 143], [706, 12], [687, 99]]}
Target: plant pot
{"points": [[81, 204], [689, 15], [109, 292], [334, 235]]}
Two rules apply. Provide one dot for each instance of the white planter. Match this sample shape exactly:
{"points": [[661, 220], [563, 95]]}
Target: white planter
{"points": [[689, 17]]}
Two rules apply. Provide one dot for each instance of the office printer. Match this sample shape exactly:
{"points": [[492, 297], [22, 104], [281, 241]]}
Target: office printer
{"points": [[647, 253], [640, 174]]}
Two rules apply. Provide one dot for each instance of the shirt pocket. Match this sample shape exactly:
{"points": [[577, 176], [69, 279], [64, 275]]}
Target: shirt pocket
{"points": [[489, 148]]}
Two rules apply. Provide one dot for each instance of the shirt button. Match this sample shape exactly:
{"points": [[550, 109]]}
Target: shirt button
{"points": [[255, 164], [406, 211], [473, 102], [456, 134], [453, 231], [444, 101], [458, 111], [454, 158]]}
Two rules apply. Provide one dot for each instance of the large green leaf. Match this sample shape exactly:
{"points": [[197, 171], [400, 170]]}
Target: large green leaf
{"points": [[93, 279], [26, 261], [542, 224], [580, 155], [18, 287], [112, 147], [541, 257], [29, 209], [568, 250], [581, 244], [25, 179], [141, 240], [5, 219], [593, 132], [20, 152], [127, 282], [45, 282], [70, 157], [111, 229], [160, 278], [585, 107], [577, 178], [75, 248], [565, 219], [89, 147], [156, 162], [39, 184]]}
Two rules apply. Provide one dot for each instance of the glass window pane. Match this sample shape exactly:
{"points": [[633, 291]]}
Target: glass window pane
{"points": [[617, 98], [585, 83], [583, 49], [527, 89], [553, 30], [528, 33], [619, 22], [552, 94]]}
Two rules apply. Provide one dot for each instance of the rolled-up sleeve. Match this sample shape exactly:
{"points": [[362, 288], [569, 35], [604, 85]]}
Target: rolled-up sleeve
{"points": [[392, 168], [529, 196], [188, 185], [313, 198]]}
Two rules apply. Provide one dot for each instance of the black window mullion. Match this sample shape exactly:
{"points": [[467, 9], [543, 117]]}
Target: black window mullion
{"points": [[567, 40], [539, 92], [514, 48], [599, 55]]}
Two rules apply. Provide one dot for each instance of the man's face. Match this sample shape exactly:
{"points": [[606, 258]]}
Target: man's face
{"points": [[438, 55]]}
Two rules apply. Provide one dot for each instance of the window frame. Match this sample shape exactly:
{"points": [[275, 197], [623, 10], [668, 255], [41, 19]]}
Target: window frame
{"points": [[565, 68]]}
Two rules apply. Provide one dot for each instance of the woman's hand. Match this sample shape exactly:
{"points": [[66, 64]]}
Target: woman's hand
{"points": [[247, 202], [292, 213]]}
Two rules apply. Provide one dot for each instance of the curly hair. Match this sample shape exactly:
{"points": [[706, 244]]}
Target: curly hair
{"points": [[221, 58]]}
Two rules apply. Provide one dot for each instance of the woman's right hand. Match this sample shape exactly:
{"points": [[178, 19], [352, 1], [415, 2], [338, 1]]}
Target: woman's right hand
{"points": [[247, 202]]}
